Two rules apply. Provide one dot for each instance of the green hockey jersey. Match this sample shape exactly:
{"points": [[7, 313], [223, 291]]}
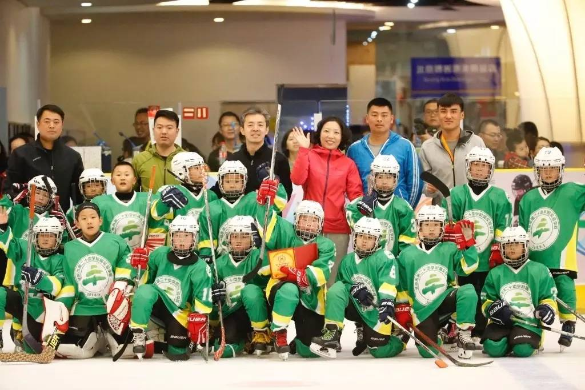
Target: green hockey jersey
{"points": [[183, 288], [125, 219], [232, 272], [18, 217], [523, 289], [396, 218], [51, 266], [280, 234], [221, 210], [379, 273], [490, 211], [427, 276], [91, 269], [552, 220]]}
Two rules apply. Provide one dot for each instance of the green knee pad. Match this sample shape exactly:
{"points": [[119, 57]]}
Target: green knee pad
{"points": [[423, 352], [231, 350], [176, 350], [523, 350], [303, 350], [393, 348], [496, 348]]}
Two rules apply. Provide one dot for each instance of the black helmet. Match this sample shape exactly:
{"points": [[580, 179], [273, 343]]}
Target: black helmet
{"points": [[521, 182]]}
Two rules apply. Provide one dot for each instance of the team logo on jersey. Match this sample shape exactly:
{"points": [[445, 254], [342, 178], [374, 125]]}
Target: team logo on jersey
{"points": [[363, 279], [172, 287], [484, 228], [233, 289], [430, 281], [128, 225], [93, 274], [194, 213], [388, 232], [543, 228], [518, 296]]}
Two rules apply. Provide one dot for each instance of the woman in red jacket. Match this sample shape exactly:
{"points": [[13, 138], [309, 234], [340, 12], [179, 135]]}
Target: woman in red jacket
{"points": [[328, 177]]}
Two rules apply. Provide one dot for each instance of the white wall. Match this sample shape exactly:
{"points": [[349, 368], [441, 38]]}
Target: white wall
{"points": [[24, 58], [100, 73]]}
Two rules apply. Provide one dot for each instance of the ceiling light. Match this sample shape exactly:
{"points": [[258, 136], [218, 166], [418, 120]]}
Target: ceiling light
{"points": [[218, 20], [86, 21], [86, 4], [365, 43], [451, 31], [374, 34], [384, 28], [369, 39], [495, 27], [389, 24], [414, 1], [410, 5]]}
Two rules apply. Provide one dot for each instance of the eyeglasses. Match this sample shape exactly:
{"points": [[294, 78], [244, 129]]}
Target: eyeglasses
{"points": [[431, 112], [494, 135]]}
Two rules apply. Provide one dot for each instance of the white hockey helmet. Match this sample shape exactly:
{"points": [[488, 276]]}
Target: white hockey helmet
{"points": [[309, 207], [232, 167], [242, 224], [385, 164], [480, 154], [92, 175], [369, 227], [514, 234], [549, 157], [184, 223], [182, 162], [47, 225], [429, 213], [39, 182]]}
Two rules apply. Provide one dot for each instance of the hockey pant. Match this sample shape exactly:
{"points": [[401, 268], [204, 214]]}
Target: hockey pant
{"points": [[339, 307], [463, 302], [498, 341], [253, 314], [477, 280], [148, 302], [11, 302], [565, 292], [286, 306]]}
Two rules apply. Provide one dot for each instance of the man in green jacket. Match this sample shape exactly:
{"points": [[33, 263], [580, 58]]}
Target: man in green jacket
{"points": [[160, 153]]}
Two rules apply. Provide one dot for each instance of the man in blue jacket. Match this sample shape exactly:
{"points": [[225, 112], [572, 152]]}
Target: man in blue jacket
{"points": [[382, 140]]}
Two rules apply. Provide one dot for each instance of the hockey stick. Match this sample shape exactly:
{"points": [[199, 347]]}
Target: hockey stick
{"points": [[219, 352], [570, 310], [28, 337], [442, 188], [50, 191], [142, 244], [250, 275], [545, 327], [438, 361], [433, 344]]}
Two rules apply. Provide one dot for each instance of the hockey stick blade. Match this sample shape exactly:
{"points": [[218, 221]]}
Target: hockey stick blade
{"points": [[46, 356], [457, 362], [433, 180], [124, 346], [567, 307]]}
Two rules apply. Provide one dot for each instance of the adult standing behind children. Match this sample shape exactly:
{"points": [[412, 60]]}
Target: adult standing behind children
{"points": [[160, 153], [328, 177], [382, 140]]}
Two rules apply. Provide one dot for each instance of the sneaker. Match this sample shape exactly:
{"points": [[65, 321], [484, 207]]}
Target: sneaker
{"points": [[260, 341], [465, 344], [327, 344], [565, 341], [281, 343], [139, 342]]}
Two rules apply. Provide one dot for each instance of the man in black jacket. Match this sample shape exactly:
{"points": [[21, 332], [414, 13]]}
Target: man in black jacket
{"points": [[256, 155], [49, 156]]}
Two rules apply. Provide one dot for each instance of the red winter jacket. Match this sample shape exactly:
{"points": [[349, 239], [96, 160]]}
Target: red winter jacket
{"points": [[328, 177]]}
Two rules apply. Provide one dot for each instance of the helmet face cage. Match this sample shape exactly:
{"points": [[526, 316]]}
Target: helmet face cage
{"points": [[430, 214], [516, 262], [42, 209], [365, 252], [103, 182], [428, 240], [232, 194], [385, 164], [552, 185], [239, 255], [382, 191], [182, 251], [184, 224], [41, 186], [476, 181], [47, 226], [316, 227]]}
